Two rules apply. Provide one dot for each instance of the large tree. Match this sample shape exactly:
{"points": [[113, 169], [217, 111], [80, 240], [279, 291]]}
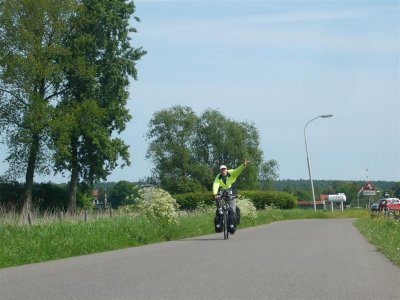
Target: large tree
{"points": [[94, 109], [220, 140], [187, 150], [268, 174], [32, 62], [64, 71], [171, 134]]}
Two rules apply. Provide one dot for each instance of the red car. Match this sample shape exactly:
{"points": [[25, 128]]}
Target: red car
{"points": [[389, 204]]}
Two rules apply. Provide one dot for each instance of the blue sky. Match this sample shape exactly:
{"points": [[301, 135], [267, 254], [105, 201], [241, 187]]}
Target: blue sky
{"points": [[277, 64]]}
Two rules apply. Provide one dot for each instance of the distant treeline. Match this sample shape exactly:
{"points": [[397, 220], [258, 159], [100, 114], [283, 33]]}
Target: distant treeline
{"points": [[301, 187], [297, 184], [304, 184], [50, 196]]}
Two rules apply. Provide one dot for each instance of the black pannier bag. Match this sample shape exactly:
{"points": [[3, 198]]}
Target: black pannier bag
{"points": [[218, 222]]}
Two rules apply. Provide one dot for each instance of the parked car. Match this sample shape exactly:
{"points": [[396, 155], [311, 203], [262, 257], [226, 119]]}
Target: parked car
{"points": [[389, 203], [375, 206]]}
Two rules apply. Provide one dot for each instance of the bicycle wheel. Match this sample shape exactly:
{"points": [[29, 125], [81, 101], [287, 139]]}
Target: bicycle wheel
{"points": [[225, 226]]}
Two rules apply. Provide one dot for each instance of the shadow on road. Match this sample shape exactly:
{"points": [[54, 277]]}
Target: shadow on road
{"points": [[202, 239]]}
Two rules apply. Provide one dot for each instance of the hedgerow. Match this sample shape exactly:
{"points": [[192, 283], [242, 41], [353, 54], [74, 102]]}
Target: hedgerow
{"points": [[263, 199], [193, 201], [260, 199]]}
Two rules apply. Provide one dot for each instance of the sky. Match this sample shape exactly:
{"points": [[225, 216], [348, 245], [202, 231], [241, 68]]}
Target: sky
{"points": [[278, 65]]}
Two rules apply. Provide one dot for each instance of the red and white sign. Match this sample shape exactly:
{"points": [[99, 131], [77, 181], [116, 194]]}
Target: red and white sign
{"points": [[369, 186], [369, 189]]}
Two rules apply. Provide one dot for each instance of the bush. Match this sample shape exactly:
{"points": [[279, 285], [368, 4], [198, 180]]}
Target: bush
{"points": [[247, 209], [84, 200], [260, 199], [193, 201], [11, 196], [264, 199], [49, 196], [45, 196], [123, 193], [158, 205]]}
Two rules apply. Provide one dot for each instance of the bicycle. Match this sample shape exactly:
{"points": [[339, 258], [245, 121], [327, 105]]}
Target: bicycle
{"points": [[224, 200]]}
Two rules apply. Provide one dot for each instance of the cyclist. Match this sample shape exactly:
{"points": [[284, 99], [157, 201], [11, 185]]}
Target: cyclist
{"points": [[225, 179]]}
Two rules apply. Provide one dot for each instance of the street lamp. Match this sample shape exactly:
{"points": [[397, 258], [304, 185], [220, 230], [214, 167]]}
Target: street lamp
{"points": [[308, 158]]}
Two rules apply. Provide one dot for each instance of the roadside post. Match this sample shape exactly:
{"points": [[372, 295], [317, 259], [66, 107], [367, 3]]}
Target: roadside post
{"points": [[369, 190]]}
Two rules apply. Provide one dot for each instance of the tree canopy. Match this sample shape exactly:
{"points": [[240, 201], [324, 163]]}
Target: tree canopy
{"points": [[124, 193], [187, 149], [94, 106], [33, 57], [64, 71]]}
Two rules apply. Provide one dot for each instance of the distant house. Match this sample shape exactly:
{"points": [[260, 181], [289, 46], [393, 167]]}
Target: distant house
{"points": [[310, 204], [99, 200]]}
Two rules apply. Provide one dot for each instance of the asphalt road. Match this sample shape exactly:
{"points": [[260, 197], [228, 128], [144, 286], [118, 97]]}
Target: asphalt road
{"points": [[304, 259]]}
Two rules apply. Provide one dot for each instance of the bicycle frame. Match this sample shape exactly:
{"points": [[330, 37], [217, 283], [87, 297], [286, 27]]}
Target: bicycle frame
{"points": [[224, 207]]}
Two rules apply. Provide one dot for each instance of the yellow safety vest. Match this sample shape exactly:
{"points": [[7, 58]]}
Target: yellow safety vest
{"points": [[231, 178]]}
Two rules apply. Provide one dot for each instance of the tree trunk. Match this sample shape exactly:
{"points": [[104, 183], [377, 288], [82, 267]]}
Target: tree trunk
{"points": [[73, 189], [30, 172], [73, 185]]}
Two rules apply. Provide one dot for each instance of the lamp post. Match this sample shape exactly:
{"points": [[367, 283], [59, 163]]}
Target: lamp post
{"points": [[308, 158]]}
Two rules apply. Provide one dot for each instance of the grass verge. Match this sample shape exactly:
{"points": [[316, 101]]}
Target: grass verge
{"points": [[384, 234], [23, 244]]}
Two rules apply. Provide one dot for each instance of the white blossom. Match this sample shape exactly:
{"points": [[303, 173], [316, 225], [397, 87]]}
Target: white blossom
{"points": [[247, 208], [158, 205]]}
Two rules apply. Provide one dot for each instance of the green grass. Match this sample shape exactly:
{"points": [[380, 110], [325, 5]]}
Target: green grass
{"points": [[23, 244], [384, 234], [268, 216]]}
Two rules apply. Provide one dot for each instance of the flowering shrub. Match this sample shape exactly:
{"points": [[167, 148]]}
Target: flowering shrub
{"points": [[270, 207], [129, 208], [247, 208], [158, 205], [204, 207]]}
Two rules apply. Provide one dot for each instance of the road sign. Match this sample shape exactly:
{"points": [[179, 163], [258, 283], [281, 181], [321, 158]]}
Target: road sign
{"points": [[369, 193], [369, 189], [369, 186]]}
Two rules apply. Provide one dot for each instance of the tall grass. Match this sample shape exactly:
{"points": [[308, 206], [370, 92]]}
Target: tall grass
{"points": [[56, 238], [22, 244], [384, 234], [272, 215], [37, 217]]}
